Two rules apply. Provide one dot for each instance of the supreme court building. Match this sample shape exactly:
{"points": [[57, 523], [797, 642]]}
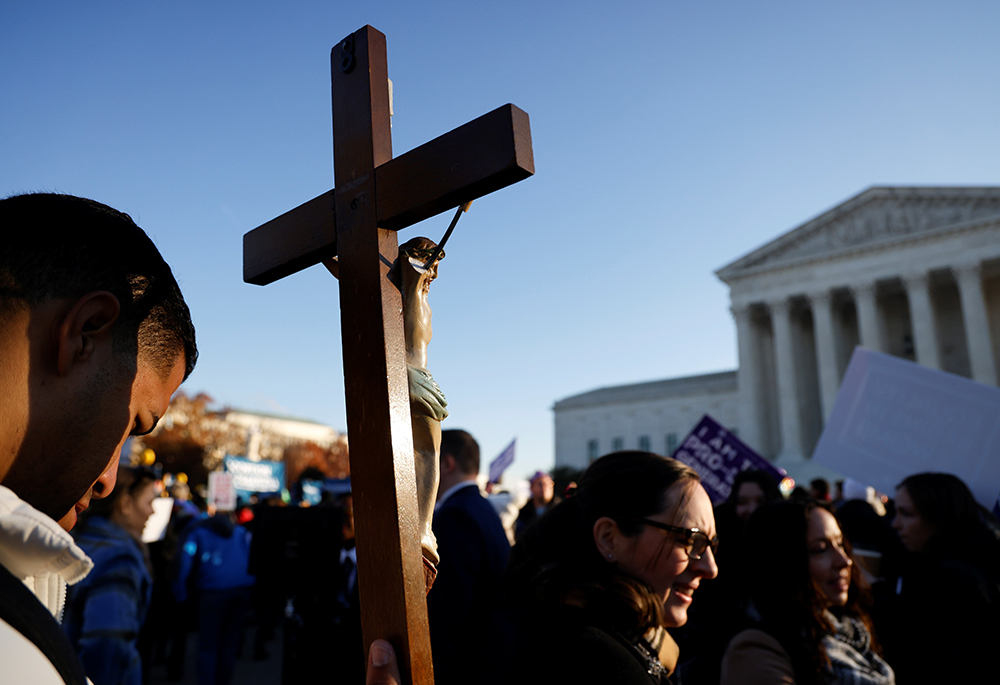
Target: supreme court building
{"points": [[913, 272]]}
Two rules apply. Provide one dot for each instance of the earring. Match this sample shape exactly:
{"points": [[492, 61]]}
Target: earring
{"points": [[611, 557]]}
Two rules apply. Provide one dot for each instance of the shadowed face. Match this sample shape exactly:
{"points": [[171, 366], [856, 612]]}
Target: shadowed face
{"points": [[136, 508], [71, 447], [748, 498], [913, 530], [542, 489]]}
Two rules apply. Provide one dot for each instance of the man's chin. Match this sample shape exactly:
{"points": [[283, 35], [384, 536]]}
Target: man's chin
{"points": [[68, 520]]}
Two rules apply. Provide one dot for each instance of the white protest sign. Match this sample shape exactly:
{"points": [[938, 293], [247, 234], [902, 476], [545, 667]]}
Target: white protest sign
{"points": [[221, 492], [894, 418], [156, 524]]}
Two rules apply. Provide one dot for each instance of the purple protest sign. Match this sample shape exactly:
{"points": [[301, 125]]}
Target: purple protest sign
{"points": [[500, 464], [718, 455]]}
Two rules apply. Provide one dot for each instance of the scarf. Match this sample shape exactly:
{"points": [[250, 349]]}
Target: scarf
{"points": [[851, 657]]}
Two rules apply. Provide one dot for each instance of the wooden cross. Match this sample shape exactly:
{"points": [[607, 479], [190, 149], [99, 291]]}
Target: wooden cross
{"points": [[375, 196]]}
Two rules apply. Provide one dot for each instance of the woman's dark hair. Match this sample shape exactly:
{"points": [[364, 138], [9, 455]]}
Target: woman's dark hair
{"points": [[961, 526], [131, 479], [773, 568], [772, 493], [945, 503], [557, 558]]}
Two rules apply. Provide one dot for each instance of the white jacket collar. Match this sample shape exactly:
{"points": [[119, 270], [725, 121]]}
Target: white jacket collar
{"points": [[32, 544]]}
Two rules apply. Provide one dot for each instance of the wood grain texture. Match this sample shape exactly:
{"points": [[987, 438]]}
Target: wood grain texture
{"points": [[473, 160], [484, 155], [383, 480], [375, 196], [291, 242]]}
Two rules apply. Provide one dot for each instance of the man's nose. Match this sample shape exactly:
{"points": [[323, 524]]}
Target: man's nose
{"points": [[106, 481]]}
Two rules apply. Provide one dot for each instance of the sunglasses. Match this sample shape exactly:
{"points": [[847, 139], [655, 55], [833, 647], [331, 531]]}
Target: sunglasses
{"points": [[692, 540]]}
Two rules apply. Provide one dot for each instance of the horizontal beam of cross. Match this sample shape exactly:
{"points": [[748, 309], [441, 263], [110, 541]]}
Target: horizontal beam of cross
{"points": [[484, 155]]}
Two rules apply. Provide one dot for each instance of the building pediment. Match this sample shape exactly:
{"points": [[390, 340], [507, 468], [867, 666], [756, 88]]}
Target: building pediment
{"points": [[874, 217]]}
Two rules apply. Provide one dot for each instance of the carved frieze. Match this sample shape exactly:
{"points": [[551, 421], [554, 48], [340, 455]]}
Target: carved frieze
{"points": [[887, 217], [874, 216]]}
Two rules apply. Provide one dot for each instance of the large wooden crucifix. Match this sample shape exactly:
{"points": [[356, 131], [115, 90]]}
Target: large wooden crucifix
{"points": [[356, 222]]}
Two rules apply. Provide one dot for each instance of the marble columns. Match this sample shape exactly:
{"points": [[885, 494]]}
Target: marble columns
{"points": [[788, 406], [869, 330], [748, 377], [922, 320], [826, 352], [977, 327]]}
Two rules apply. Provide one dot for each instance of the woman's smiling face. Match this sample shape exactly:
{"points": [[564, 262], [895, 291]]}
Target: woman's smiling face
{"points": [[829, 563], [658, 557]]}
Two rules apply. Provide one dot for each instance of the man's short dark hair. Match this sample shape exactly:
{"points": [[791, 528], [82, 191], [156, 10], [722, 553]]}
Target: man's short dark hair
{"points": [[463, 447], [61, 246]]}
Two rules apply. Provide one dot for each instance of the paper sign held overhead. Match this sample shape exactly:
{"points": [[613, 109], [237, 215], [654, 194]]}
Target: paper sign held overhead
{"points": [[221, 493], [894, 418], [156, 524]]}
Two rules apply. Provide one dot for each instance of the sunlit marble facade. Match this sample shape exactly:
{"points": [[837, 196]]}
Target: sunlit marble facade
{"points": [[911, 271]]}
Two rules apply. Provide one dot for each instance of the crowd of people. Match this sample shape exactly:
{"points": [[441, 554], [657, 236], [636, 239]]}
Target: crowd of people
{"points": [[628, 575]]}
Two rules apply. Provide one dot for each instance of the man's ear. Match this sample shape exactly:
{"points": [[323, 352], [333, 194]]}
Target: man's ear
{"points": [[606, 537], [88, 324], [448, 464]]}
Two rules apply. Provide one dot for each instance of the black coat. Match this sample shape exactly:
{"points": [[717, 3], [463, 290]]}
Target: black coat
{"points": [[561, 644], [943, 624], [469, 628]]}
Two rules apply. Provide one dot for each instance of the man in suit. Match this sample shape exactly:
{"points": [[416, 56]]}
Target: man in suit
{"points": [[469, 629]]}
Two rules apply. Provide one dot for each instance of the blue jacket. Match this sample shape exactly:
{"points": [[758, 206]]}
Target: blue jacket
{"points": [[215, 554], [105, 610]]}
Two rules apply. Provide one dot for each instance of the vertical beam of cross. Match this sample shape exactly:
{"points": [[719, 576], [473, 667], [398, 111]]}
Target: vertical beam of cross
{"points": [[372, 190], [390, 569]]}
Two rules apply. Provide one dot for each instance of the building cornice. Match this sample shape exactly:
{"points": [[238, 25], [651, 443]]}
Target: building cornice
{"points": [[901, 198], [635, 393], [851, 252]]}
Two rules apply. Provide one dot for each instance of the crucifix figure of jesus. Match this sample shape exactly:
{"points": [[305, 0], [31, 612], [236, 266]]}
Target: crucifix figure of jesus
{"points": [[352, 229]]}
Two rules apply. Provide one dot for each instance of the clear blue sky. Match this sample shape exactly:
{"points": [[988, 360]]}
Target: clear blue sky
{"points": [[670, 138]]}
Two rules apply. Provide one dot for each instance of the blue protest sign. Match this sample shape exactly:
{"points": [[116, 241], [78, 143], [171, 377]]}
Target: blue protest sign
{"points": [[312, 491], [251, 477], [718, 455], [500, 464]]}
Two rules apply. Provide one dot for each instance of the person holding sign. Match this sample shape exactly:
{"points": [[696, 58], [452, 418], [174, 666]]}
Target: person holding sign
{"points": [[805, 616], [596, 581]]}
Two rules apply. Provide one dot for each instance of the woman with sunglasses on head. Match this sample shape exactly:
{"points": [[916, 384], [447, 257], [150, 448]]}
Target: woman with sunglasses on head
{"points": [[804, 604], [949, 584], [596, 581]]}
